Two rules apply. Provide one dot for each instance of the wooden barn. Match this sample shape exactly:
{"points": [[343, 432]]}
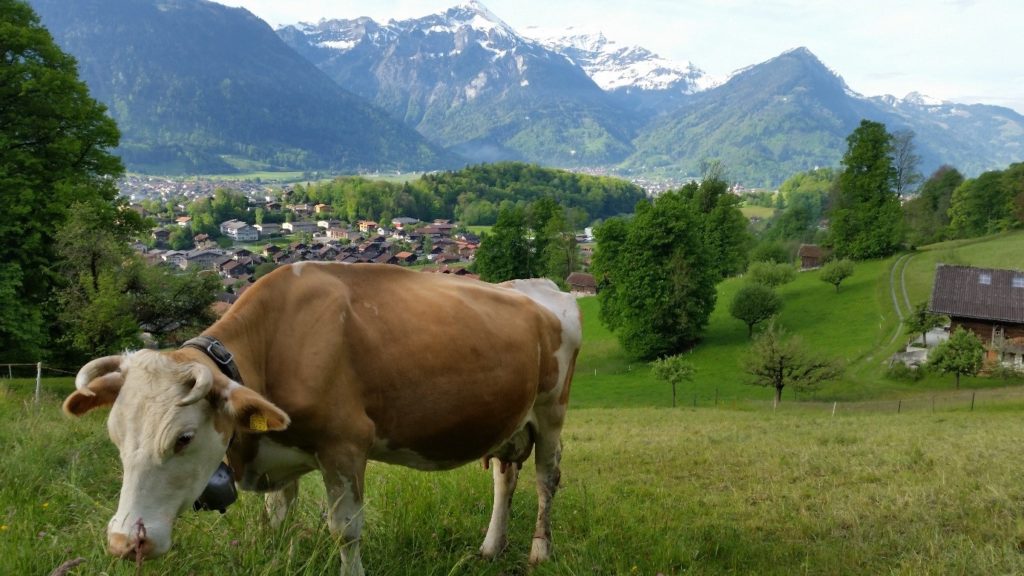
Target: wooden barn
{"points": [[581, 284], [988, 302], [811, 256]]}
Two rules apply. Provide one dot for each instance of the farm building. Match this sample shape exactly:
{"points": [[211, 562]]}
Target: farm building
{"points": [[811, 256], [988, 302], [581, 283]]}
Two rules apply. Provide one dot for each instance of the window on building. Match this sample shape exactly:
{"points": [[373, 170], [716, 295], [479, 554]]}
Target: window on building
{"points": [[1018, 281], [984, 278]]}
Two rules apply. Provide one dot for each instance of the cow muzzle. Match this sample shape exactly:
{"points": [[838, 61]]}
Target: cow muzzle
{"points": [[219, 492]]}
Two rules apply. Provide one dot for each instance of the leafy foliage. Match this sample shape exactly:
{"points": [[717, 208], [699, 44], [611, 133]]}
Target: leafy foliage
{"points": [[769, 274], [476, 194], [54, 151], [866, 218], [836, 271], [656, 277], [777, 361], [961, 355], [985, 204], [675, 370], [754, 303], [723, 226], [926, 216], [921, 320]]}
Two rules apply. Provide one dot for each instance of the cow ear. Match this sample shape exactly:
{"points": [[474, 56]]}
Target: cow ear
{"points": [[99, 392], [254, 413]]}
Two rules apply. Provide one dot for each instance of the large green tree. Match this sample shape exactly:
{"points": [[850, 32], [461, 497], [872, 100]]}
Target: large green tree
{"points": [[723, 225], [55, 143], [504, 253], [866, 219], [656, 277], [926, 216], [985, 204]]}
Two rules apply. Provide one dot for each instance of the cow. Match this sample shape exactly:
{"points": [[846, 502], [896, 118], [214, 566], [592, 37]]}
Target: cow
{"points": [[324, 366]]}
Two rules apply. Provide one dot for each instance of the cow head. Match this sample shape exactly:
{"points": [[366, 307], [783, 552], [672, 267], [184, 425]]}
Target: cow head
{"points": [[172, 420]]}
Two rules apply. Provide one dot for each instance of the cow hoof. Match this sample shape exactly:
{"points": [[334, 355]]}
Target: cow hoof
{"points": [[490, 551], [540, 551]]}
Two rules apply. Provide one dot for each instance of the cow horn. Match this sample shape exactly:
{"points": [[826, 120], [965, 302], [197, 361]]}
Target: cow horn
{"points": [[94, 369], [204, 382]]}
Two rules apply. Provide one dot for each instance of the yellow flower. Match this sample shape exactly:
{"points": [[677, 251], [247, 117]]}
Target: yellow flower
{"points": [[46, 504], [3, 528]]}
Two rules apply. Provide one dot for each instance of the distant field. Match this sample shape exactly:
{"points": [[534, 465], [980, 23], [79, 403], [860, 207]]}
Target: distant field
{"points": [[644, 491], [758, 211], [856, 325]]}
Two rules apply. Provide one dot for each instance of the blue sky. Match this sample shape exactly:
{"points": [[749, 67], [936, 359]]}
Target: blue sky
{"points": [[960, 50]]}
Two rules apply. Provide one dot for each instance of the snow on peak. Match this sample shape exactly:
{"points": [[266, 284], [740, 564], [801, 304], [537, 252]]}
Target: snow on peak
{"points": [[919, 99], [613, 65]]}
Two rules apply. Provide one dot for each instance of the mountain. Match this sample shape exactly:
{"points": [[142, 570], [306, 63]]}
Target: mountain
{"points": [[972, 137], [791, 113], [465, 79], [199, 87], [635, 77]]}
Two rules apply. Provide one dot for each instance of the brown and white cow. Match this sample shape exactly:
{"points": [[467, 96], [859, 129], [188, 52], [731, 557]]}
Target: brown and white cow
{"points": [[339, 364]]}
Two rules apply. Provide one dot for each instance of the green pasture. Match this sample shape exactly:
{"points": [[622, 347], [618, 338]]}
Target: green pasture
{"points": [[762, 212], [868, 475], [644, 491]]}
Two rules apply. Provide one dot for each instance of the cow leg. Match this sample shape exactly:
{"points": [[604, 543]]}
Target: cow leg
{"points": [[345, 505], [278, 503], [505, 477], [548, 454]]}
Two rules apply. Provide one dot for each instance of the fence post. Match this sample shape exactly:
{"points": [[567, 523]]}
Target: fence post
{"points": [[834, 409], [933, 403], [972, 401], [716, 395], [899, 407], [39, 379]]}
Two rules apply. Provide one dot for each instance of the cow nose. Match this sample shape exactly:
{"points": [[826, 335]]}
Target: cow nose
{"points": [[122, 546]]}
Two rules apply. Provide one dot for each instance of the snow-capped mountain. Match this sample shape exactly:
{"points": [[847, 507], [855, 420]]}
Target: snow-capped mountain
{"points": [[466, 79], [615, 66]]}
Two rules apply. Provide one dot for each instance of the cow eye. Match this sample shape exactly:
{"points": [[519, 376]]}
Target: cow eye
{"points": [[183, 441]]}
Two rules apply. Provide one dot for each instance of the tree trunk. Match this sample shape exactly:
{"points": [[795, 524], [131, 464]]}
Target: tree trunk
{"points": [[957, 380], [673, 394], [750, 331], [778, 396], [924, 339]]}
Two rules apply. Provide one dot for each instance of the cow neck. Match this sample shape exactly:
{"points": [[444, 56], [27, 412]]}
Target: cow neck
{"points": [[219, 353]]}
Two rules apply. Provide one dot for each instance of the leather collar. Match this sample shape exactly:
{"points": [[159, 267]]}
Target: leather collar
{"points": [[218, 353]]}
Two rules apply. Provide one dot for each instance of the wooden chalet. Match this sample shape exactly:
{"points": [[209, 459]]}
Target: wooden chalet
{"points": [[988, 302], [811, 256]]}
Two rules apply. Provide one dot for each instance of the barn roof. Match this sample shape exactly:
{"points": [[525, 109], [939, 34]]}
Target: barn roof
{"points": [[581, 279], [979, 293]]}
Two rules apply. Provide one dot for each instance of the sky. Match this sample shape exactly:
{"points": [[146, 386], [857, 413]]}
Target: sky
{"points": [[969, 51]]}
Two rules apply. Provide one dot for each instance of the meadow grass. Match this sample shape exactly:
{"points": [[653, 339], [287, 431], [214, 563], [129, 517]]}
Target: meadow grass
{"points": [[645, 491]]}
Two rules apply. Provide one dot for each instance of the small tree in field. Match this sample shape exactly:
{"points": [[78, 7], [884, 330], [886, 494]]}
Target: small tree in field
{"points": [[963, 353], [777, 361], [674, 370], [771, 274], [754, 303], [921, 320], [836, 271]]}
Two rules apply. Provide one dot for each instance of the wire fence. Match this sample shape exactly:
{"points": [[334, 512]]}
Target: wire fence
{"points": [[37, 371]]}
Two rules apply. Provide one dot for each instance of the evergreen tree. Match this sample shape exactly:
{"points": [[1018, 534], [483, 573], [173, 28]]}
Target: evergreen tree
{"points": [[866, 219], [54, 151], [656, 276]]}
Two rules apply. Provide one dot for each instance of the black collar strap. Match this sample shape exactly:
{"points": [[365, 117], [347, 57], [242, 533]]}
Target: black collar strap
{"points": [[218, 353]]}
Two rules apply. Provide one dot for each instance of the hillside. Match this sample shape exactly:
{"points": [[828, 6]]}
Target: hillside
{"points": [[196, 86], [856, 325]]}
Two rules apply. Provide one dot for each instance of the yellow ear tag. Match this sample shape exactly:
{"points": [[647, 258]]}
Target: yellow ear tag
{"points": [[258, 422]]}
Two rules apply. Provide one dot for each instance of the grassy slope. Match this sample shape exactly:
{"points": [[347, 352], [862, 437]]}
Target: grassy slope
{"points": [[855, 325]]}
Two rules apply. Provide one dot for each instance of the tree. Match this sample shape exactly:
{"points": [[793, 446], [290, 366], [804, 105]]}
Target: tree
{"points": [[836, 271], [657, 283], [770, 275], [165, 304], [866, 220], [981, 205], [777, 361], [504, 254], [921, 320], [754, 303], [674, 370], [906, 161], [926, 216], [962, 354], [723, 225], [54, 150]]}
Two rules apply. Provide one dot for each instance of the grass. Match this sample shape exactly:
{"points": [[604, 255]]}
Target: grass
{"points": [[645, 491], [855, 325]]}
